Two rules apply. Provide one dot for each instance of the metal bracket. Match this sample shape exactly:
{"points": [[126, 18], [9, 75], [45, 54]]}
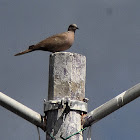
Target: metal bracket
{"points": [[72, 104]]}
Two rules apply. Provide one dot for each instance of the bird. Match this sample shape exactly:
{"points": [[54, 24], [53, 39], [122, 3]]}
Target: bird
{"points": [[55, 43]]}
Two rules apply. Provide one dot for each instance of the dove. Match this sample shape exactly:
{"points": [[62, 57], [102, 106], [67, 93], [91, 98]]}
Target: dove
{"points": [[55, 43]]}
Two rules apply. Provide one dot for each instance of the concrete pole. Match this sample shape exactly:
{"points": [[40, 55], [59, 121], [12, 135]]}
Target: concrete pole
{"points": [[67, 72]]}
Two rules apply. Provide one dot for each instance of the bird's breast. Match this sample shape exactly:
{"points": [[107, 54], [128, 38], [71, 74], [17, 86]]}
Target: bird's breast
{"points": [[63, 43]]}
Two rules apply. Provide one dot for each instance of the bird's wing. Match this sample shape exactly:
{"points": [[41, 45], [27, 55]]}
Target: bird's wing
{"points": [[55, 40]]}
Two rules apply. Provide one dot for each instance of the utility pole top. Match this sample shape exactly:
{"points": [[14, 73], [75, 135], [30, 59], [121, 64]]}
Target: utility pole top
{"points": [[67, 76], [67, 72]]}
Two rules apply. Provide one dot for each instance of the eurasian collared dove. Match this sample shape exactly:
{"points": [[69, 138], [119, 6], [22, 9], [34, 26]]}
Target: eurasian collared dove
{"points": [[55, 43]]}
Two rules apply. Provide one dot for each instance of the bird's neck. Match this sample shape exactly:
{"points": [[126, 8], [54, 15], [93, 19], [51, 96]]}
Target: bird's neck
{"points": [[71, 31]]}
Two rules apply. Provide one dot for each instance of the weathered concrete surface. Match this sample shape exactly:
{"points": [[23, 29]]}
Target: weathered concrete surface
{"points": [[67, 74]]}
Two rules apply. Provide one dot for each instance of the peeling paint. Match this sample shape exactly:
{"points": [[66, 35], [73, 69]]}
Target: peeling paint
{"points": [[120, 99]]}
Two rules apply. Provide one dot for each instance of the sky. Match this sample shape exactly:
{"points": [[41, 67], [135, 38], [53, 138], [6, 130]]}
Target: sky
{"points": [[109, 37]]}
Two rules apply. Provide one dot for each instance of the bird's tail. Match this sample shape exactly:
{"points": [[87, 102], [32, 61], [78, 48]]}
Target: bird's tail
{"points": [[26, 51]]}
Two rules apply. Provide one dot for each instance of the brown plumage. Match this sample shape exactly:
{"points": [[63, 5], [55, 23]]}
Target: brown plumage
{"points": [[55, 43]]}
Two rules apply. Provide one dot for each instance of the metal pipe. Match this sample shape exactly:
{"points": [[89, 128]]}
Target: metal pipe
{"points": [[22, 111], [111, 106]]}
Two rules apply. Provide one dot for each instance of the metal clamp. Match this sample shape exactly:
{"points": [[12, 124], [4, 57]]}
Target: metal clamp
{"points": [[72, 104]]}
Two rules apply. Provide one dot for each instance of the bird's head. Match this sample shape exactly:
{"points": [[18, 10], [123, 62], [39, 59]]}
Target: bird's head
{"points": [[73, 27]]}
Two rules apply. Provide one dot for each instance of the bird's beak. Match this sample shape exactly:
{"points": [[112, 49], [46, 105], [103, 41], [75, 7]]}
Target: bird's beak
{"points": [[77, 28]]}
